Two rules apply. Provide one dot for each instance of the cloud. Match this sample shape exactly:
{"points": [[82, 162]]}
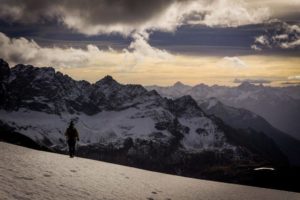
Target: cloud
{"points": [[296, 77], [232, 62], [226, 13], [141, 48], [253, 81], [291, 45], [292, 80], [263, 40], [278, 35], [12, 50], [94, 17], [140, 51], [291, 83], [255, 47]]}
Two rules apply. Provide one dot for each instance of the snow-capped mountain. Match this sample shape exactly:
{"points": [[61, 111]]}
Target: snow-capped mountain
{"points": [[125, 123], [243, 119], [278, 105], [175, 91]]}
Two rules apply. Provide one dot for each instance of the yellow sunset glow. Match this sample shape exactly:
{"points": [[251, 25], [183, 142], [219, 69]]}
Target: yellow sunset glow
{"points": [[192, 70]]}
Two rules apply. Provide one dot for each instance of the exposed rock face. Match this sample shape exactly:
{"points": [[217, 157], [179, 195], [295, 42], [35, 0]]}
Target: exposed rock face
{"points": [[4, 70], [4, 76]]}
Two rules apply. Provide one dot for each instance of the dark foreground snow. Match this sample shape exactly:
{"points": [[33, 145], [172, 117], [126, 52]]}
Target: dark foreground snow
{"points": [[30, 174]]}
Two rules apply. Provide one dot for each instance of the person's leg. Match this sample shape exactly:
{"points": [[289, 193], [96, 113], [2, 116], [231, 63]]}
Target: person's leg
{"points": [[70, 147], [73, 149]]}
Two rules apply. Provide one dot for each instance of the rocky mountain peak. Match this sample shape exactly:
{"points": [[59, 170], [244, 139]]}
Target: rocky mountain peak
{"points": [[34, 72], [107, 80], [202, 85], [186, 105], [178, 84], [246, 86], [22, 67], [187, 99]]}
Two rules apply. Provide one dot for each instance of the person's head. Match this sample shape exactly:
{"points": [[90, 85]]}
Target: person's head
{"points": [[71, 124]]}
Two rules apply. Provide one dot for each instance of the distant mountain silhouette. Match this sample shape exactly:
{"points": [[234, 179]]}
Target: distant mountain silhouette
{"points": [[278, 105]]}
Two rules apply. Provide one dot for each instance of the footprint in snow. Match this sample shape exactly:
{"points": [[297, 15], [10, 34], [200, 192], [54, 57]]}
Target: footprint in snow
{"points": [[25, 178], [29, 193], [85, 193], [47, 175], [20, 197]]}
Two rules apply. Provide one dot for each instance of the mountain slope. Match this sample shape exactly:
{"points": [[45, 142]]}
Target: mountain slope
{"points": [[243, 119], [31, 174]]}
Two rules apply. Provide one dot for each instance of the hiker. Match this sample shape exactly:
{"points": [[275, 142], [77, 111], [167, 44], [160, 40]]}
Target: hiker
{"points": [[71, 136]]}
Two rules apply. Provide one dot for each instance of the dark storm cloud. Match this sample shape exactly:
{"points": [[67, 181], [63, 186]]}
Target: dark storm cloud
{"points": [[117, 11], [87, 16], [279, 34], [94, 11], [94, 17], [218, 26]]}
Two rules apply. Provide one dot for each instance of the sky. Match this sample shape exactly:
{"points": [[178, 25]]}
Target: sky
{"points": [[157, 42]]}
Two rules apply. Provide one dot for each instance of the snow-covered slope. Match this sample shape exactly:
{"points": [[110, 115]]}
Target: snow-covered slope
{"points": [[142, 121], [30, 174], [278, 105]]}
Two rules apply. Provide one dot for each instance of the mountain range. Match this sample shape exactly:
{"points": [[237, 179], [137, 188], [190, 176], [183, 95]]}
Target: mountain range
{"points": [[278, 105], [240, 118], [131, 125]]}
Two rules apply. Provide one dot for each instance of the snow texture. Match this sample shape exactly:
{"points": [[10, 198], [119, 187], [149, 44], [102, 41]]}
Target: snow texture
{"points": [[114, 126], [105, 126], [30, 174]]}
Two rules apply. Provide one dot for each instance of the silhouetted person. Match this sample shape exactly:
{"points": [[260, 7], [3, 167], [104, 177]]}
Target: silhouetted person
{"points": [[71, 135]]}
